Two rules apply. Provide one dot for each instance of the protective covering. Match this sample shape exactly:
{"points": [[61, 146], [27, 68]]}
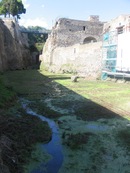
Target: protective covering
{"points": [[109, 51], [123, 52]]}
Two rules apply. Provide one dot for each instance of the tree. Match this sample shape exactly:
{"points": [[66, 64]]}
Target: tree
{"points": [[12, 7], [20, 8], [4, 7]]}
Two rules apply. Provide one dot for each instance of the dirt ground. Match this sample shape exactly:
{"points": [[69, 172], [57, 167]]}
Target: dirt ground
{"points": [[93, 118]]}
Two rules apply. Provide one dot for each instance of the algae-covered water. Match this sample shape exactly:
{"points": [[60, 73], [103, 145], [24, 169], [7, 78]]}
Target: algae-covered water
{"points": [[102, 152], [82, 146], [52, 156]]}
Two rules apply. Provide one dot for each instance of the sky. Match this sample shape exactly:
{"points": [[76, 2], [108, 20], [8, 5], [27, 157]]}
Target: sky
{"points": [[45, 13]]}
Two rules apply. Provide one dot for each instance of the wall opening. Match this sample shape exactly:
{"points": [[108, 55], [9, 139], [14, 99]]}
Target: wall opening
{"points": [[89, 40], [120, 29], [83, 28]]}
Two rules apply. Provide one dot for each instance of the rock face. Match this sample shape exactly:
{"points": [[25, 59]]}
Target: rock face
{"points": [[14, 52], [75, 46]]}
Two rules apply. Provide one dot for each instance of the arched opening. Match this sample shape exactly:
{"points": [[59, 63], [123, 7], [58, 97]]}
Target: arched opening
{"points": [[89, 40]]}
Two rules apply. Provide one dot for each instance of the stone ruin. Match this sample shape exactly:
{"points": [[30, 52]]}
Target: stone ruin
{"points": [[67, 32], [74, 46]]}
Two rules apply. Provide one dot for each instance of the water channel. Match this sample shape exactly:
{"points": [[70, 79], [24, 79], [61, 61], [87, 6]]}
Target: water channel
{"points": [[53, 148]]}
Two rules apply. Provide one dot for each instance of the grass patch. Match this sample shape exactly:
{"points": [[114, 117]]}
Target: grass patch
{"points": [[27, 82], [6, 94], [40, 84]]}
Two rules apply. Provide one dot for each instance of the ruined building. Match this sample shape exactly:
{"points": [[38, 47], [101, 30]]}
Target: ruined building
{"points": [[75, 46], [89, 48], [67, 32]]}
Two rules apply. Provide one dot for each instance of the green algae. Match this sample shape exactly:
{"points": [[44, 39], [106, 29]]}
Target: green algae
{"points": [[38, 157]]}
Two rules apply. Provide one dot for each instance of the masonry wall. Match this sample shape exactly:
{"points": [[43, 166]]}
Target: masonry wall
{"points": [[67, 32], [67, 49], [85, 60], [74, 46]]}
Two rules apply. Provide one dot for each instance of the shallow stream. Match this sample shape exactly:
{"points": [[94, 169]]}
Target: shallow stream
{"points": [[53, 148], [101, 151]]}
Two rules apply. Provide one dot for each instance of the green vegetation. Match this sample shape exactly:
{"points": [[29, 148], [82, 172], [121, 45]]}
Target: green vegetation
{"points": [[6, 94], [43, 109], [111, 95], [19, 132], [75, 141], [93, 117], [41, 84], [38, 29], [39, 46], [38, 156], [28, 83], [37, 37], [12, 7], [24, 132], [124, 136]]}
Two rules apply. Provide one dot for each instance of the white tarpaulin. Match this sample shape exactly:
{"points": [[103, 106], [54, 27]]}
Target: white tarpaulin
{"points": [[123, 52]]}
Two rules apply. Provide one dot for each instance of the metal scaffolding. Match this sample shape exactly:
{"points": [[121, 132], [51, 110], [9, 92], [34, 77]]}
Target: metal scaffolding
{"points": [[110, 58], [109, 51]]}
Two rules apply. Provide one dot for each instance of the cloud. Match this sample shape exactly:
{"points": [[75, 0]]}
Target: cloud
{"points": [[26, 5], [33, 22]]}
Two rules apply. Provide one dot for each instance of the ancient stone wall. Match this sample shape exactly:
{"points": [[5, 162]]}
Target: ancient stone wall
{"points": [[75, 46], [67, 32], [84, 60], [14, 53]]}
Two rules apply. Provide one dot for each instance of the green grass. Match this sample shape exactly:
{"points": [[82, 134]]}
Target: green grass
{"points": [[39, 46], [38, 84], [110, 92], [25, 81], [6, 94]]}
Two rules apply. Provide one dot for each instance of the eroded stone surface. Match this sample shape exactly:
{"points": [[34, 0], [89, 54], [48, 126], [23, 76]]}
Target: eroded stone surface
{"points": [[14, 53]]}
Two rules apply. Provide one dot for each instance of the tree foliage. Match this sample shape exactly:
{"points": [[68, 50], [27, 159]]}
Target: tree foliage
{"points": [[12, 7], [37, 38]]}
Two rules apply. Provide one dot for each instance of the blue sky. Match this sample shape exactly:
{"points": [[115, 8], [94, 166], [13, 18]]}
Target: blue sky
{"points": [[45, 12]]}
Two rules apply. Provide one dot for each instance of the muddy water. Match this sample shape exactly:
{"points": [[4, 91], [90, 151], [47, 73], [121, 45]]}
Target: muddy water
{"points": [[53, 148]]}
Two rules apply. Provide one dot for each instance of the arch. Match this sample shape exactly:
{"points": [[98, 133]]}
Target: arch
{"points": [[89, 40]]}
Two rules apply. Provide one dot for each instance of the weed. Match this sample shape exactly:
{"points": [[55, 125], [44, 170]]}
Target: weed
{"points": [[24, 132], [75, 141]]}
